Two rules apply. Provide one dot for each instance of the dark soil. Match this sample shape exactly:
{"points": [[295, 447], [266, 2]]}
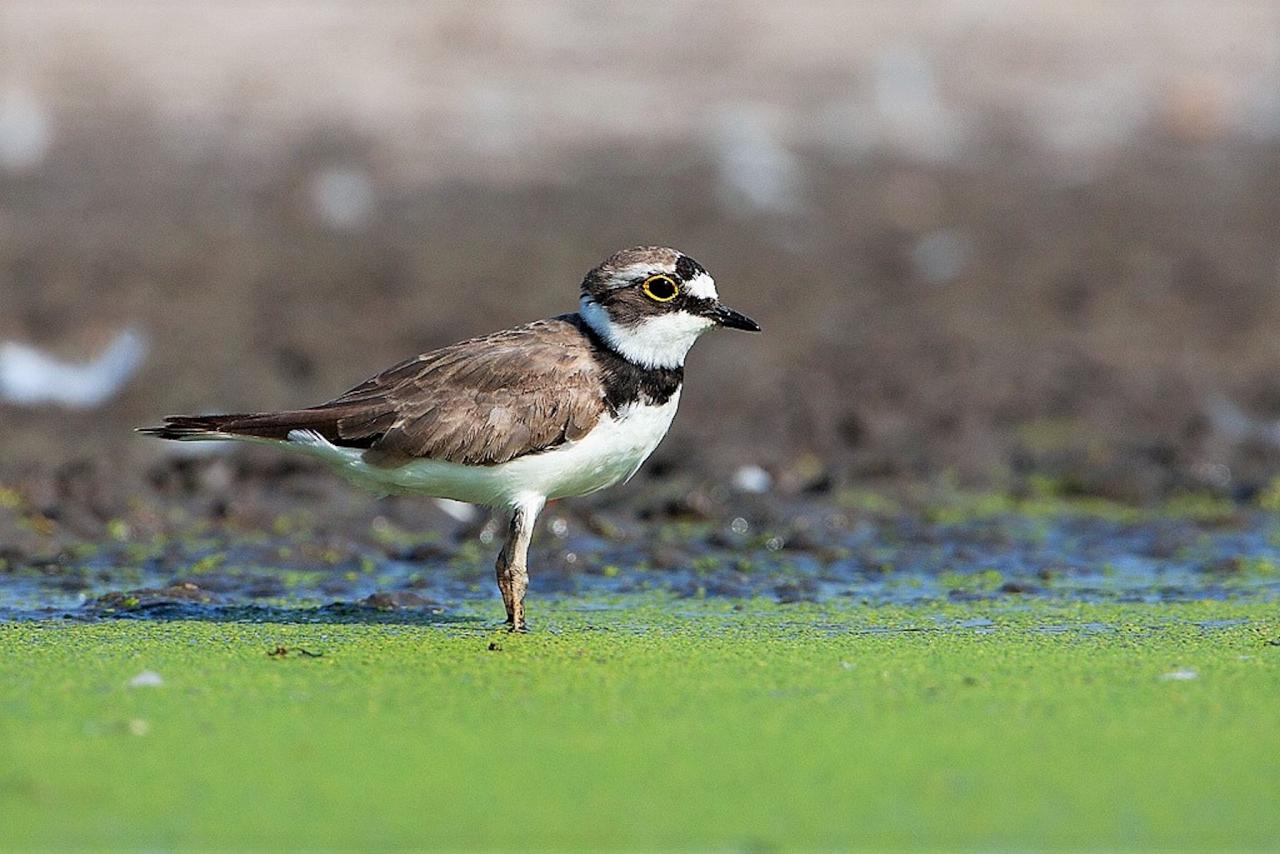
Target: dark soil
{"points": [[1109, 331]]}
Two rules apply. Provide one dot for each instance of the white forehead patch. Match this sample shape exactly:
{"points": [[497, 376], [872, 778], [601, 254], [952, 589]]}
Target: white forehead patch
{"points": [[702, 286], [624, 276]]}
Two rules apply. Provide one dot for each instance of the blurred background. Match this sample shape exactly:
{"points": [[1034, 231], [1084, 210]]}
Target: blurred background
{"points": [[987, 240]]}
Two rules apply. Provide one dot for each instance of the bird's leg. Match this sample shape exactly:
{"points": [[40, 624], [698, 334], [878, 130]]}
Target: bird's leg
{"points": [[513, 564]]}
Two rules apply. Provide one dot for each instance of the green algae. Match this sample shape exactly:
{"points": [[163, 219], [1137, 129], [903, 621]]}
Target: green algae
{"points": [[954, 508], [652, 722], [1039, 497]]}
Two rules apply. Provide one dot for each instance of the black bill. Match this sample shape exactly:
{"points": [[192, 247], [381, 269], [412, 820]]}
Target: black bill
{"points": [[731, 319]]}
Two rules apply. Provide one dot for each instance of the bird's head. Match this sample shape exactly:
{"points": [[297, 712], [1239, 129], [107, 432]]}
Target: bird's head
{"points": [[650, 304]]}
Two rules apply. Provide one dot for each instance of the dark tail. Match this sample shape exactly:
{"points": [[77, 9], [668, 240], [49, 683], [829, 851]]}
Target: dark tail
{"points": [[264, 425]]}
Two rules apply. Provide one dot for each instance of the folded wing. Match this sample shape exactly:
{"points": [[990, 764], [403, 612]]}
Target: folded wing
{"points": [[479, 402]]}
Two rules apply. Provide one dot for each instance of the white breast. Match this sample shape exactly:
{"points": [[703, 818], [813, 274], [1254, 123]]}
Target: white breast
{"points": [[610, 453]]}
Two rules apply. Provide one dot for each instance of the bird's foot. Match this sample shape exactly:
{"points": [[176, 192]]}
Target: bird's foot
{"points": [[515, 615]]}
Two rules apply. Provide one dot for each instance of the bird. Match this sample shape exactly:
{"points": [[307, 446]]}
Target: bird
{"points": [[552, 409]]}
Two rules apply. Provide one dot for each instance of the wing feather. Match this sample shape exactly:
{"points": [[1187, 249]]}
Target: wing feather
{"points": [[479, 402]]}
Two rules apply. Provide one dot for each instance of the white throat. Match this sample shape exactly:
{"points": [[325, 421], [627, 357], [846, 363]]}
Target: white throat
{"points": [[658, 342]]}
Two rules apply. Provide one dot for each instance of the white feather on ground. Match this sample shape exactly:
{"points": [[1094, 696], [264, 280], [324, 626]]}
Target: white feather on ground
{"points": [[31, 377]]}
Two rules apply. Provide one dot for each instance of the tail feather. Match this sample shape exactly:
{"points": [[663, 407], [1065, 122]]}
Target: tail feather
{"points": [[189, 427], [263, 425]]}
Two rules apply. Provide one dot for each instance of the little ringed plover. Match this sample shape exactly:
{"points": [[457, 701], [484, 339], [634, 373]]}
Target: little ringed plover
{"points": [[551, 409]]}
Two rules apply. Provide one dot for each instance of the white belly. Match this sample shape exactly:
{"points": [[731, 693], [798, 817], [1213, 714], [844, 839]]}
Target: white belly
{"points": [[610, 453]]}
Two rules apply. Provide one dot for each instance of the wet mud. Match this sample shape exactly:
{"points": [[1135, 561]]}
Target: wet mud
{"points": [[861, 546]]}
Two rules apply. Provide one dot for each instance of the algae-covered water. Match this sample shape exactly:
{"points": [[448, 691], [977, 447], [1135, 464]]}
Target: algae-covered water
{"points": [[649, 721], [859, 672]]}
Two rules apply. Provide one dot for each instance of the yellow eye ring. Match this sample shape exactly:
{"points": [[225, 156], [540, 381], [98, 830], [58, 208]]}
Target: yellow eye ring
{"points": [[665, 291]]}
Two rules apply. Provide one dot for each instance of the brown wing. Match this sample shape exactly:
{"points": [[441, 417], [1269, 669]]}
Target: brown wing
{"points": [[479, 402], [482, 401]]}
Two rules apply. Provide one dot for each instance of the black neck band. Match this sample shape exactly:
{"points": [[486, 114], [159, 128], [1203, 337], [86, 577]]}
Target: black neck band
{"points": [[626, 382]]}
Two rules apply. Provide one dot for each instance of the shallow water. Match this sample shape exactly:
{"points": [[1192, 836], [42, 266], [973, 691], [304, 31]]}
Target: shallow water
{"points": [[812, 551]]}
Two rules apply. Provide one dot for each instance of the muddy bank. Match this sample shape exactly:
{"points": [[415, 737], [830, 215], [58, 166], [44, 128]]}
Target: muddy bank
{"points": [[991, 283], [1114, 332], [248, 551]]}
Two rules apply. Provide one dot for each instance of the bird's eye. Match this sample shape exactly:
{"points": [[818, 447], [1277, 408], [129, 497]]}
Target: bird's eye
{"points": [[661, 288]]}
